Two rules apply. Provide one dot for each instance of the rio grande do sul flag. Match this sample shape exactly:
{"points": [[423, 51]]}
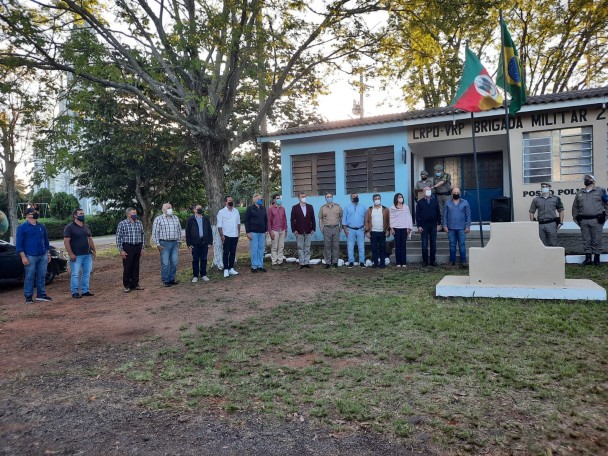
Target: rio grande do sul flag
{"points": [[477, 91], [514, 82]]}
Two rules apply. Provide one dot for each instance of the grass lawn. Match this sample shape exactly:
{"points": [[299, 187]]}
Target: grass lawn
{"points": [[382, 353]]}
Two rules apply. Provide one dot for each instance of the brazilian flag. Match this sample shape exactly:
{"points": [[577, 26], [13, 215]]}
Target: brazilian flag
{"points": [[514, 81]]}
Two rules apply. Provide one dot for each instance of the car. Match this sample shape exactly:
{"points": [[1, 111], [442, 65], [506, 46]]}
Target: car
{"points": [[11, 267]]}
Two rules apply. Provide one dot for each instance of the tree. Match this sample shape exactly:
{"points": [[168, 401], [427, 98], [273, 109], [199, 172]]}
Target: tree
{"points": [[21, 115], [63, 204], [204, 56]]}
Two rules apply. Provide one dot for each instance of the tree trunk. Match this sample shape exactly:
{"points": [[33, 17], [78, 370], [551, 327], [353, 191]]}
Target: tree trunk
{"points": [[9, 178], [146, 206], [213, 156]]}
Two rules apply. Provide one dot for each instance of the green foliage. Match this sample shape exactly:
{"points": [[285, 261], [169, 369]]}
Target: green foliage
{"points": [[43, 195], [63, 204]]}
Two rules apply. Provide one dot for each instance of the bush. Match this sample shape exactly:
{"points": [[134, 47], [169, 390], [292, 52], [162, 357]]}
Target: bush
{"points": [[43, 195], [103, 224], [62, 205]]}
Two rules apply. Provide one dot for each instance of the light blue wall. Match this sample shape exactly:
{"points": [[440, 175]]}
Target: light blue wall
{"points": [[328, 141]]}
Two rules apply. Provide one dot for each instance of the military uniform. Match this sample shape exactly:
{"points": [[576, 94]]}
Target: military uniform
{"points": [[548, 208], [589, 211], [444, 190], [421, 184], [330, 221]]}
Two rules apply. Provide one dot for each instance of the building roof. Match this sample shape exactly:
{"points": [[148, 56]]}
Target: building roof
{"points": [[433, 112]]}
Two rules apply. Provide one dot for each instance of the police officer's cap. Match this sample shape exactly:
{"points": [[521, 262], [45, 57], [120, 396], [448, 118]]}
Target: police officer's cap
{"points": [[424, 173], [438, 168], [590, 176], [548, 184]]}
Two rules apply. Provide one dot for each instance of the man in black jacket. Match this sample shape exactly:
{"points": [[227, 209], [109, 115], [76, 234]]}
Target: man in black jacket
{"points": [[428, 221], [256, 226], [198, 238]]}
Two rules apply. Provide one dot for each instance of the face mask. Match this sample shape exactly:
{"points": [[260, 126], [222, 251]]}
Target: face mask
{"points": [[279, 201], [133, 216], [329, 200], [169, 211], [428, 193], [80, 218], [423, 177], [588, 182], [545, 189], [356, 200], [36, 215], [456, 196], [259, 202], [400, 200], [230, 203], [438, 174], [377, 202], [199, 211], [303, 200]]}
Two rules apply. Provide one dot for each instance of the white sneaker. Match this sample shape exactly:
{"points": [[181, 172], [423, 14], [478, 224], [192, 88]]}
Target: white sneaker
{"points": [[205, 279], [233, 272], [226, 273], [194, 279]]}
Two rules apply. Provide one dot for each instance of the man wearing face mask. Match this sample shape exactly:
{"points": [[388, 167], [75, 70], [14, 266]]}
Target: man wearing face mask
{"points": [[167, 235], [353, 224], [256, 225], [330, 218], [442, 186], [303, 225], [550, 214], [377, 229], [457, 223], [428, 221], [78, 242], [277, 229], [198, 238], [130, 243], [229, 228], [424, 182], [589, 212], [33, 248]]}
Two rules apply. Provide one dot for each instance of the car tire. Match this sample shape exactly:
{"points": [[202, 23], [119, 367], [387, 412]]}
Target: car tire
{"points": [[51, 273]]}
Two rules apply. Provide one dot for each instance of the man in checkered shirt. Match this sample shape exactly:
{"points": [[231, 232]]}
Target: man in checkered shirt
{"points": [[167, 236]]}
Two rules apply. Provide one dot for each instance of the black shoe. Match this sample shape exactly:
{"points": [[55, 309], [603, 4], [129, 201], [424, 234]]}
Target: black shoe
{"points": [[327, 266], [362, 265], [465, 265], [335, 265], [263, 269], [425, 264], [254, 270], [46, 298], [88, 293], [434, 263], [302, 266], [374, 266], [351, 265], [587, 261], [166, 284], [174, 282], [75, 296], [382, 265], [596, 259], [307, 266], [29, 300]]}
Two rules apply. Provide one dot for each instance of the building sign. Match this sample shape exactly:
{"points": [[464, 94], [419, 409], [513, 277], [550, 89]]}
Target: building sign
{"points": [[496, 125], [560, 192]]}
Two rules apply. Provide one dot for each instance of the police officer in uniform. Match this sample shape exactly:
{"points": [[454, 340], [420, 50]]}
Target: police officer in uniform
{"points": [[422, 184], [550, 214], [442, 186], [589, 211]]}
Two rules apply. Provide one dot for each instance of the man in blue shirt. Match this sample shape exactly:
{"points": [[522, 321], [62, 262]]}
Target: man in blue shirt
{"points": [[33, 247], [353, 224], [457, 223]]}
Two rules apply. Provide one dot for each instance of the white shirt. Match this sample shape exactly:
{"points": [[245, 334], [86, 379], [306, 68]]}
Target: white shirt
{"points": [[229, 221], [377, 219], [303, 207]]}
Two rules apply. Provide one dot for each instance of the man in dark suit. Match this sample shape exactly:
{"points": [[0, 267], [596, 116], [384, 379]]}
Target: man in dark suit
{"points": [[198, 238], [303, 226], [428, 221]]}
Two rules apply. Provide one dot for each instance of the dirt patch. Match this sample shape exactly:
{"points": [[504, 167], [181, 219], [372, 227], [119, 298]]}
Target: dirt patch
{"points": [[53, 400]]}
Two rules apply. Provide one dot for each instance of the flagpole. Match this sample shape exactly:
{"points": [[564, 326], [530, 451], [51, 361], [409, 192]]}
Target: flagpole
{"points": [[476, 177], [506, 72]]}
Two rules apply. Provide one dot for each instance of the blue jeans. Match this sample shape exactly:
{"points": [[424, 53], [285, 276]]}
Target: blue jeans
{"points": [[35, 270], [83, 263], [168, 261], [457, 236], [357, 236], [256, 247], [429, 233]]}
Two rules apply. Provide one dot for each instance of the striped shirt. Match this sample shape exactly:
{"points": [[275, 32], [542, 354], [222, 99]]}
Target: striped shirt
{"points": [[166, 228], [129, 233]]}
